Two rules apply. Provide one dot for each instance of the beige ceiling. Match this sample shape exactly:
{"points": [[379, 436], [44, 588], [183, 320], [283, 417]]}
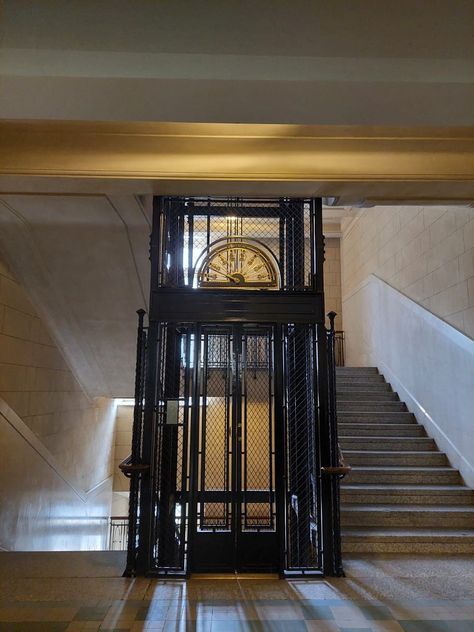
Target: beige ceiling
{"points": [[357, 62]]}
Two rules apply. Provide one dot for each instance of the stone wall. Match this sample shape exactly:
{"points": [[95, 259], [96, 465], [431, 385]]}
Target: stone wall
{"points": [[332, 279], [37, 384], [67, 427], [425, 252]]}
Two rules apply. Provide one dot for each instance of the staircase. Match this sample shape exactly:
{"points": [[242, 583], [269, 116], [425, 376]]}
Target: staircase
{"points": [[402, 495]]}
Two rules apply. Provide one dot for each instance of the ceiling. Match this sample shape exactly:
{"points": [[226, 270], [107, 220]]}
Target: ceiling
{"points": [[239, 61]]}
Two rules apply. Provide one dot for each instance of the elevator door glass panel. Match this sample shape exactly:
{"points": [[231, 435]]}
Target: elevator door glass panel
{"points": [[235, 500]]}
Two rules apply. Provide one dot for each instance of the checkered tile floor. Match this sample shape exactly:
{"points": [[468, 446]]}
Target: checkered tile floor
{"points": [[377, 596]]}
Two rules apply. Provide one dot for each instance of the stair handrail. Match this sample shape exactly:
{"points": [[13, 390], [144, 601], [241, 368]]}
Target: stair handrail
{"points": [[128, 467]]}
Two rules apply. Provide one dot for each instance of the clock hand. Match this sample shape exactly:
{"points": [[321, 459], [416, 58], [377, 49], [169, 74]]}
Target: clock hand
{"points": [[229, 276]]}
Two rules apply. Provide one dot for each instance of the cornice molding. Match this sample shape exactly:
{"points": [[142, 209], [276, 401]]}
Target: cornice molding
{"points": [[233, 151], [208, 152]]}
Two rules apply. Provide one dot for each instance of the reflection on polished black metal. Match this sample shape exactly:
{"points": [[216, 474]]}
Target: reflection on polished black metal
{"points": [[232, 426]]}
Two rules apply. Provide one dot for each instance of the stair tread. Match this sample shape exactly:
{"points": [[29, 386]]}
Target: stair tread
{"points": [[361, 423], [373, 389], [404, 468], [354, 368], [392, 452], [408, 508], [374, 413], [389, 398], [382, 438], [407, 533], [391, 487]]}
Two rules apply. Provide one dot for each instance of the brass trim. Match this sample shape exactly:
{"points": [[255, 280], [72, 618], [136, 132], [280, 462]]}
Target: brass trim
{"points": [[244, 285]]}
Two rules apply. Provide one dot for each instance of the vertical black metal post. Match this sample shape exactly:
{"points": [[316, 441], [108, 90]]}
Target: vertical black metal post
{"points": [[331, 336], [168, 547], [281, 481], [136, 447], [324, 424], [194, 443], [146, 527]]}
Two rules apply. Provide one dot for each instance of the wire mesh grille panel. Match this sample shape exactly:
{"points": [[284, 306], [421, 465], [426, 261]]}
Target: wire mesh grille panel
{"points": [[303, 524], [171, 454], [236, 452], [258, 434], [215, 428], [253, 241]]}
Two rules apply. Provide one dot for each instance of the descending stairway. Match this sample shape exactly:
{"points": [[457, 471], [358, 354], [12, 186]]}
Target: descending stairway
{"points": [[402, 494]]}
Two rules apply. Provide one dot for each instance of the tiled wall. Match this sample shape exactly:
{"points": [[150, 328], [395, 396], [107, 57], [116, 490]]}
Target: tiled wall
{"points": [[425, 252], [38, 385], [332, 279]]}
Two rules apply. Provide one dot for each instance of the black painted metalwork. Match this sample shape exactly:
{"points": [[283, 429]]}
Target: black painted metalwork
{"points": [[235, 421], [337, 469], [135, 466]]}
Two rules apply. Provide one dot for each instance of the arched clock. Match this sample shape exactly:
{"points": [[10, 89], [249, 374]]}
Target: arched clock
{"points": [[237, 265]]}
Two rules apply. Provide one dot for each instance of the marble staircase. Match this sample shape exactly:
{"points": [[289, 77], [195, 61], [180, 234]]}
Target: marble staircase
{"points": [[402, 494]]}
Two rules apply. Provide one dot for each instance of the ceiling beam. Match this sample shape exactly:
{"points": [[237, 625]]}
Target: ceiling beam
{"points": [[374, 162]]}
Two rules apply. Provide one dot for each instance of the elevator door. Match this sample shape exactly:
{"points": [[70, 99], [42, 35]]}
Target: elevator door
{"points": [[235, 505]]}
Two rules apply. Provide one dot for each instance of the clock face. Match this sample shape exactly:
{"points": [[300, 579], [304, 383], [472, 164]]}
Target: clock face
{"points": [[237, 265]]}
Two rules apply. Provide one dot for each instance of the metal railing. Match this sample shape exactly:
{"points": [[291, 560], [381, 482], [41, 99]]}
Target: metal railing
{"points": [[118, 533]]}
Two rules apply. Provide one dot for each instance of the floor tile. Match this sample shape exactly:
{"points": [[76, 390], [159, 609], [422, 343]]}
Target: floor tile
{"points": [[317, 612], [380, 594], [87, 613], [386, 626], [187, 626], [44, 626], [437, 626], [259, 626], [322, 626], [376, 612]]}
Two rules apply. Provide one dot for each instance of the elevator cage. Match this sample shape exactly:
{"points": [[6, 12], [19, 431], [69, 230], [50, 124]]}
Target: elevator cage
{"points": [[232, 424]]}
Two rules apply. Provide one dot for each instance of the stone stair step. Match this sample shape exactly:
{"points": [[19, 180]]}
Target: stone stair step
{"points": [[356, 380], [386, 443], [350, 387], [366, 396], [377, 418], [403, 540], [368, 406], [401, 495], [406, 494], [402, 475], [361, 370], [418, 516], [390, 457], [360, 429]]}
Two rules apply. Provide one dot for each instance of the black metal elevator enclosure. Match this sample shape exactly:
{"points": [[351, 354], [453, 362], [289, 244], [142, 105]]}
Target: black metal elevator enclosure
{"points": [[233, 425]]}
